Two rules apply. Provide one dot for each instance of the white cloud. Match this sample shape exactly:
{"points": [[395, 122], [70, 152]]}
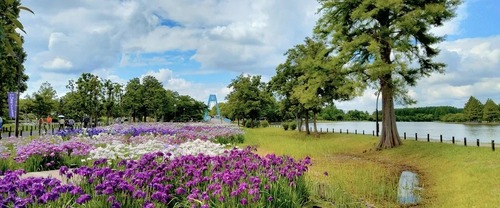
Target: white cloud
{"points": [[58, 63], [110, 38], [452, 27]]}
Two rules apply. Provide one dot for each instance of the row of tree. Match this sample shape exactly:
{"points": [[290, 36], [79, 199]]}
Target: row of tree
{"points": [[92, 96], [385, 45], [475, 111]]}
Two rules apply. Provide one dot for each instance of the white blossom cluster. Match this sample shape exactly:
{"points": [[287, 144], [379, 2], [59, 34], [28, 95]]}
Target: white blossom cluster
{"points": [[195, 147], [117, 150]]}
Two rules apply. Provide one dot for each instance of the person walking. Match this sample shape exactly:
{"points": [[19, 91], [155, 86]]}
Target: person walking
{"points": [[49, 121], [85, 121], [61, 123], [40, 123]]}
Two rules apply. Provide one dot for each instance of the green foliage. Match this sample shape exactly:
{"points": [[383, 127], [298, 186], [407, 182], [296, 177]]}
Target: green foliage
{"points": [[432, 113], [112, 94], [11, 52], [307, 80], [264, 123], [357, 115], [455, 117], [285, 125], [249, 99], [9, 22], [43, 102], [42, 163], [332, 113], [132, 99], [491, 112], [386, 44], [473, 109], [234, 139], [293, 125], [153, 94], [248, 123]]}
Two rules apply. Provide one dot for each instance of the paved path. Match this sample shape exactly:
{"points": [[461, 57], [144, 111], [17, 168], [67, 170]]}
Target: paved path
{"points": [[50, 173]]}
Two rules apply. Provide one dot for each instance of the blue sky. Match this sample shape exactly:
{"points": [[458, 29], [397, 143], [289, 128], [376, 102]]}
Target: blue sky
{"points": [[198, 47]]}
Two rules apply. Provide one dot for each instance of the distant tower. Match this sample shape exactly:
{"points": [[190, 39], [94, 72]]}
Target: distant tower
{"points": [[212, 100]]}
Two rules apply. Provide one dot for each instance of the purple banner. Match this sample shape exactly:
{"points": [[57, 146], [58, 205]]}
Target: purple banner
{"points": [[12, 100]]}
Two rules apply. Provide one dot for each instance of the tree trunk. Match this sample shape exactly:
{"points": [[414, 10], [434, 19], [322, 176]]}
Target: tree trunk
{"points": [[389, 136], [107, 118], [314, 122], [307, 123], [300, 124], [297, 121]]}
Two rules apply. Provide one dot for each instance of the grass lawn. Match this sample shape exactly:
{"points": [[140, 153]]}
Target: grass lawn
{"points": [[358, 176]]}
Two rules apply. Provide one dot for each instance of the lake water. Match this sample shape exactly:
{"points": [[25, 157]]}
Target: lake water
{"points": [[485, 133]]}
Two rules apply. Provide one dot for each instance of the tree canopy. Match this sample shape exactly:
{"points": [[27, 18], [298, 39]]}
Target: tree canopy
{"points": [[386, 44], [249, 98]]}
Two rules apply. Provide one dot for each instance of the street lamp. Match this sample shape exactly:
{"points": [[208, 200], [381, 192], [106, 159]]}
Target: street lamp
{"points": [[18, 91]]}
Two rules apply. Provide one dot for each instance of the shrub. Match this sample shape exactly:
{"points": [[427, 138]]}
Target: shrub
{"points": [[256, 124], [234, 139], [248, 123], [293, 125], [264, 123], [285, 126]]}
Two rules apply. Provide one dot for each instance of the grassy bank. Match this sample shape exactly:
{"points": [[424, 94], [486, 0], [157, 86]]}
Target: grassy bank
{"points": [[347, 172]]}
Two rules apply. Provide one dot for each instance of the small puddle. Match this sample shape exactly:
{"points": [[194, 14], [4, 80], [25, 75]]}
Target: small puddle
{"points": [[408, 189]]}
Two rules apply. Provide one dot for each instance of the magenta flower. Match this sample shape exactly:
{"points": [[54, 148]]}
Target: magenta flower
{"points": [[83, 198]]}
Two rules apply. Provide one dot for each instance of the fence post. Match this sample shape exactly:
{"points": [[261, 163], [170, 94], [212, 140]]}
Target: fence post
{"points": [[21, 133], [321, 130], [416, 137], [347, 131], [477, 141], [31, 131], [363, 132], [493, 145], [441, 138], [373, 132], [356, 131], [341, 131], [453, 139], [52, 130], [428, 139], [326, 130], [405, 135], [465, 141], [10, 130]]}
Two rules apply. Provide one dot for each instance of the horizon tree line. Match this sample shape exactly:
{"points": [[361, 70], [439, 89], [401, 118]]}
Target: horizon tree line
{"points": [[94, 97]]}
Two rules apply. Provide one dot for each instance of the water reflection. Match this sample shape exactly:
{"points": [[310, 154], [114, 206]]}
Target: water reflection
{"points": [[485, 133]]}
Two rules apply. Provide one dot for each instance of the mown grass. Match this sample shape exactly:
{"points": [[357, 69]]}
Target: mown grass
{"points": [[358, 176]]}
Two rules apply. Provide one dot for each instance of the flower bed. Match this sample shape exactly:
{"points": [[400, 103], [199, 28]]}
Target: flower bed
{"points": [[147, 166], [181, 131], [236, 178], [115, 142]]}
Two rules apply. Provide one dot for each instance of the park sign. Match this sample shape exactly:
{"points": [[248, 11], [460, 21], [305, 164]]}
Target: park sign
{"points": [[11, 98]]}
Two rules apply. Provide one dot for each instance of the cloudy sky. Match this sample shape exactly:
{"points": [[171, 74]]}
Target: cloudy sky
{"points": [[196, 47]]}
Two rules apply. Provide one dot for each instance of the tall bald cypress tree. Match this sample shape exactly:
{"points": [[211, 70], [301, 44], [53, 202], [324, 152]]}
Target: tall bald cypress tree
{"points": [[386, 43]]}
